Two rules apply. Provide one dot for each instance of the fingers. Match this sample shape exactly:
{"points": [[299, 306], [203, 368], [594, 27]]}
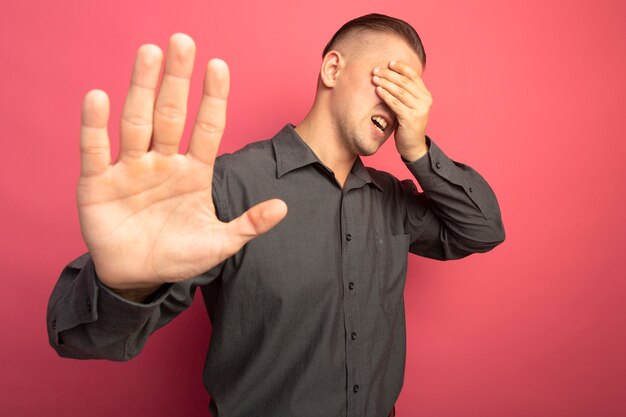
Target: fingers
{"points": [[409, 74], [401, 87], [211, 118], [253, 223], [171, 105], [136, 124], [399, 95], [391, 100], [95, 153]]}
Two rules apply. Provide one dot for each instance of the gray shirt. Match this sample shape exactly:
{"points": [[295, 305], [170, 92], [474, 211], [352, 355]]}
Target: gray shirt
{"points": [[308, 319]]}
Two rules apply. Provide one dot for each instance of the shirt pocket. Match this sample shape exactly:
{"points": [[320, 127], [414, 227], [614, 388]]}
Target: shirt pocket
{"points": [[391, 258]]}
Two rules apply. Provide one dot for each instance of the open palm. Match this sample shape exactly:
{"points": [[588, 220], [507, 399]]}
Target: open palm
{"points": [[149, 217]]}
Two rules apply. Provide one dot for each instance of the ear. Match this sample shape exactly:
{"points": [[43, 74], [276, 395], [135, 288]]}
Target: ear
{"points": [[332, 63]]}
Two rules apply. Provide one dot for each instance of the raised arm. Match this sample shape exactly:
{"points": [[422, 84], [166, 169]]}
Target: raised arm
{"points": [[148, 219], [458, 213]]}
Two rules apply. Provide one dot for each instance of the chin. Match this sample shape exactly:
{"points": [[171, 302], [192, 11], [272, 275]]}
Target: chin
{"points": [[364, 144], [363, 151], [369, 147]]}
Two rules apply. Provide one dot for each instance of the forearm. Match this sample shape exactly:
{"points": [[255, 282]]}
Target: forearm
{"points": [[463, 204], [87, 320]]}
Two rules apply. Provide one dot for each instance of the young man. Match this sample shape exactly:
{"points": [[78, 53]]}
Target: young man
{"points": [[300, 251]]}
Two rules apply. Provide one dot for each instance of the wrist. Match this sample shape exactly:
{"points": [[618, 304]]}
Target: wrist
{"points": [[132, 291], [414, 152], [138, 295]]}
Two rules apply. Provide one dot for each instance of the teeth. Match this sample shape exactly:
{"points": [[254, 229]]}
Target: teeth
{"points": [[380, 122]]}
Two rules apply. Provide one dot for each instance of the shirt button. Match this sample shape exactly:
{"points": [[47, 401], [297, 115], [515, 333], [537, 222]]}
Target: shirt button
{"points": [[438, 165], [351, 286], [348, 237], [470, 190], [355, 388], [88, 305], [54, 324], [353, 335]]}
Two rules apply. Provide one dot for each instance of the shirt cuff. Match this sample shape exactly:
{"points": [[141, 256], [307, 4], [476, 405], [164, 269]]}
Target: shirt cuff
{"points": [[432, 167], [90, 301], [119, 314], [78, 305]]}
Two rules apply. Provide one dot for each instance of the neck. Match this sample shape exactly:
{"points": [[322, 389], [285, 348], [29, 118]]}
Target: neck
{"points": [[319, 132]]}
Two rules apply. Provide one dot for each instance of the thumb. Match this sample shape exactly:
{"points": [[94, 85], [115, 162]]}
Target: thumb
{"points": [[254, 222]]}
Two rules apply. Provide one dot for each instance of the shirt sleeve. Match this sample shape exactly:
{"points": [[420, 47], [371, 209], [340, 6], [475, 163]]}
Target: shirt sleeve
{"points": [[86, 320], [457, 213]]}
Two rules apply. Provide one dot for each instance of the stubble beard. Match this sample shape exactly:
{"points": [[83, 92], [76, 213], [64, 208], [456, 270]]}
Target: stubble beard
{"points": [[356, 142]]}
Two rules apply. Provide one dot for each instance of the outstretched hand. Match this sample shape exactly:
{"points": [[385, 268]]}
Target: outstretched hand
{"points": [[149, 217]]}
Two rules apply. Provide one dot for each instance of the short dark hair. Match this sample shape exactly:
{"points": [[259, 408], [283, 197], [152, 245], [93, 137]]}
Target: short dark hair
{"points": [[381, 23]]}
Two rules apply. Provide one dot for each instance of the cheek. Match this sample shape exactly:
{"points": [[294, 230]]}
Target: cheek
{"points": [[357, 95], [361, 84], [363, 95]]}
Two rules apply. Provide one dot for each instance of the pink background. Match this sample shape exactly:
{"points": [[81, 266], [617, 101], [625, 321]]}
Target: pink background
{"points": [[530, 93]]}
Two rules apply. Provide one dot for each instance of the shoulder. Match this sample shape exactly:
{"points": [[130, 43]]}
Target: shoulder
{"points": [[251, 160], [239, 176]]}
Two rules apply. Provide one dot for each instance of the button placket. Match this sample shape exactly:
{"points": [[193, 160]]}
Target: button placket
{"points": [[350, 253]]}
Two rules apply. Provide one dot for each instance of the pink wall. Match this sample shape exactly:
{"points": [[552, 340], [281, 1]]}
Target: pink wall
{"points": [[530, 93]]}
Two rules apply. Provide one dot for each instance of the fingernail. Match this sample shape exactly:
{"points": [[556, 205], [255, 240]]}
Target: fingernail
{"points": [[392, 63], [376, 78], [376, 70]]}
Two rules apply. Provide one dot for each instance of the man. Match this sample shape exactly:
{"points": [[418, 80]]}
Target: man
{"points": [[300, 251]]}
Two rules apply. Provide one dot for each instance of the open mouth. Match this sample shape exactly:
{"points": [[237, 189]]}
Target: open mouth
{"points": [[380, 123]]}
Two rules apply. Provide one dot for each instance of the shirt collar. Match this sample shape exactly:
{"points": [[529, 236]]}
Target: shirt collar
{"points": [[292, 153], [361, 171]]}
